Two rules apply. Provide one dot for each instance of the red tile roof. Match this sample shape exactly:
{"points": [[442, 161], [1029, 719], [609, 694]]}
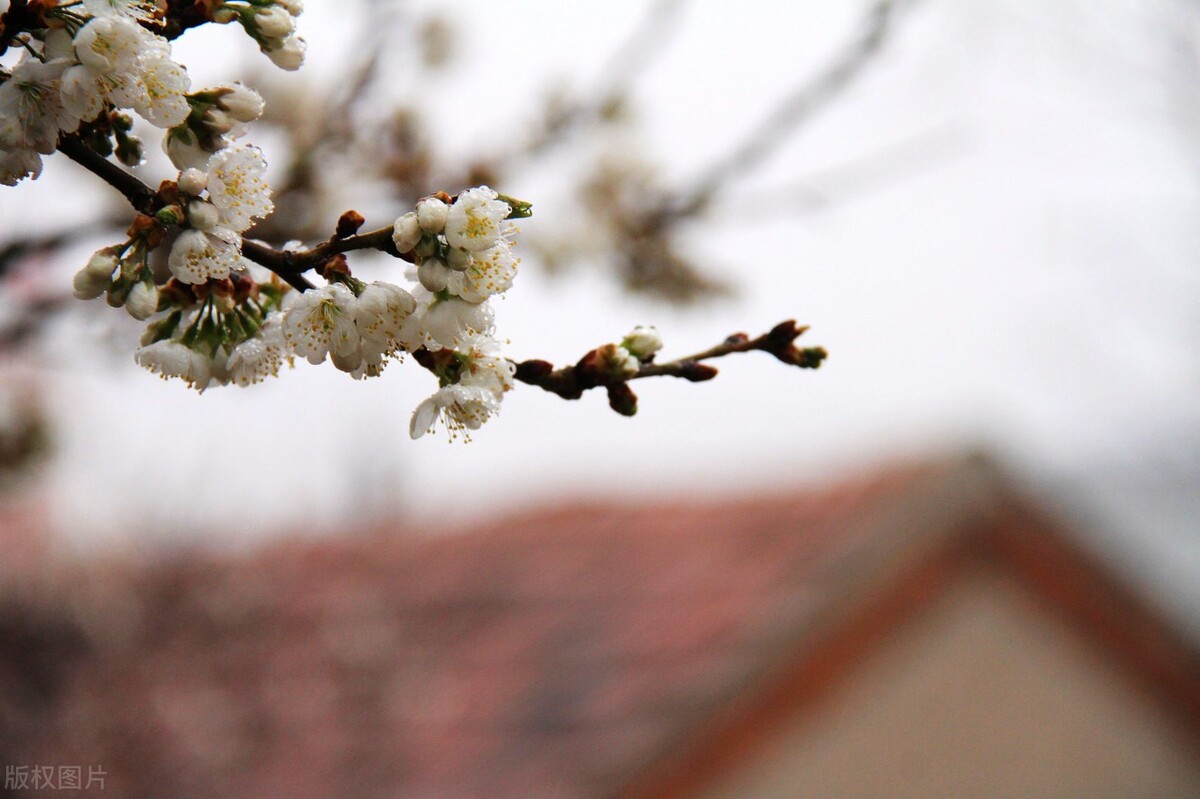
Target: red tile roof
{"points": [[555, 654]]}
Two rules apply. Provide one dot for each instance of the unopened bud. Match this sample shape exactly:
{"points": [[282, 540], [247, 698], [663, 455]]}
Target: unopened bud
{"points": [[289, 54], [218, 121], [431, 214], [697, 372], [240, 102], [192, 181], [643, 341], [406, 233], [202, 215], [622, 399], [95, 277], [142, 301], [427, 246], [433, 274], [457, 259], [169, 215], [533, 370], [348, 224], [274, 22], [612, 360], [129, 150]]}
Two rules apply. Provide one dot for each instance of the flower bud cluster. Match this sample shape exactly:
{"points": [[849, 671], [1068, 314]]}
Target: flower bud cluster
{"points": [[122, 275], [216, 117], [271, 23], [461, 248]]}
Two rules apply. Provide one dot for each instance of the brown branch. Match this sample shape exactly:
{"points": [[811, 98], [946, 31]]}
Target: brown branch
{"points": [[143, 198], [12, 23], [570, 382], [289, 265]]}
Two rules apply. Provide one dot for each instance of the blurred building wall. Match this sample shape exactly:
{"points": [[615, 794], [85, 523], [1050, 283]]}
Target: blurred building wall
{"points": [[987, 695]]}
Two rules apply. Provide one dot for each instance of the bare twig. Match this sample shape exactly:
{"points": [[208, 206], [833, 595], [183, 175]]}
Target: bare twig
{"points": [[570, 382], [804, 101], [629, 61]]}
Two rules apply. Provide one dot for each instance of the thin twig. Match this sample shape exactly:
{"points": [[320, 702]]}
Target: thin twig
{"points": [[805, 100], [570, 382]]}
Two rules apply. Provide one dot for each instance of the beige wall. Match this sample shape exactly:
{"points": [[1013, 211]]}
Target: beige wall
{"points": [[984, 696]]}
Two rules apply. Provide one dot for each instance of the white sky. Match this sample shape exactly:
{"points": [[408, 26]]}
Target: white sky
{"points": [[1033, 288]]}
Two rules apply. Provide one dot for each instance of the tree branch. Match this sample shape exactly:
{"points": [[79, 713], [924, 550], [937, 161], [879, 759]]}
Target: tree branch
{"points": [[570, 382], [289, 265], [143, 198]]}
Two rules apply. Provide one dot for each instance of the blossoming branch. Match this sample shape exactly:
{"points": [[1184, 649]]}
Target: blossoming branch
{"points": [[85, 67]]}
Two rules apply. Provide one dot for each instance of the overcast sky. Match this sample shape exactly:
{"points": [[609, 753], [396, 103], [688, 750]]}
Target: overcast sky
{"points": [[1025, 281]]}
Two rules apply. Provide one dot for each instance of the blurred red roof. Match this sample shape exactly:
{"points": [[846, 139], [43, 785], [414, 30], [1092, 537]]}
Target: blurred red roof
{"points": [[579, 652]]}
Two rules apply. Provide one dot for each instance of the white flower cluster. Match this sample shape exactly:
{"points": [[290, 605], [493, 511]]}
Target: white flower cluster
{"points": [[211, 246], [97, 55], [232, 329], [101, 56], [213, 322], [461, 249]]}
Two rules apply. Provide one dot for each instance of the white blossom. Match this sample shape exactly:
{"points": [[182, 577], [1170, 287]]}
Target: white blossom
{"points": [[198, 255], [476, 397], [485, 367], [321, 321], [379, 316], [137, 9], [488, 273], [161, 99], [259, 356], [174, 359], [110, 44], [237, 185], [31, 99], [58, 44], [18, 164], [474, 221], [81, 92], [460, 407], [445, 324]]}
